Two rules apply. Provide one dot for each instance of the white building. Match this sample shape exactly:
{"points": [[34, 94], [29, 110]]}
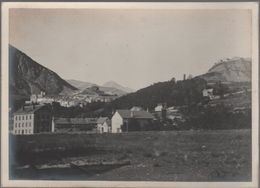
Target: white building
{"points": [[127, 120], [208, 93], [158, 108], [103, 125], [39, 99]]}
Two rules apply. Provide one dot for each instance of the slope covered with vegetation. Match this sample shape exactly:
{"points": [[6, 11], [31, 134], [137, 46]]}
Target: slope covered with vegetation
{"points": [[170, 92]]}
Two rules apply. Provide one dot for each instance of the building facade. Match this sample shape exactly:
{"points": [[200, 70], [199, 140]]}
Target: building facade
{"points": [[117, 123], [32, 119], [103, 125], [127, 120], [74, 124]]}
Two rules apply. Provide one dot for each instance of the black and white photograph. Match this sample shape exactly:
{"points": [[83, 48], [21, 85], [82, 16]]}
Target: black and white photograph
{"points": [[129, 94]]}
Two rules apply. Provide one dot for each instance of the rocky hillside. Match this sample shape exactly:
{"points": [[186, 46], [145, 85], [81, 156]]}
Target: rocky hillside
{"points": [[112, 84], [94, 90], [113, 91], [81, 85], [236, 71], [28, 76], [230, 70]]}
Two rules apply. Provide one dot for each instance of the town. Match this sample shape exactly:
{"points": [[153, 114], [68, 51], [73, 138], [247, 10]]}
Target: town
{"points": [[36, 116], [129, 93]]}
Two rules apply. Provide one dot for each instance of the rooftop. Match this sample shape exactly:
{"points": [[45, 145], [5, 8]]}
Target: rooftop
{"points": [[81, 121], [101, 120], [136, 114], [29, 109]]}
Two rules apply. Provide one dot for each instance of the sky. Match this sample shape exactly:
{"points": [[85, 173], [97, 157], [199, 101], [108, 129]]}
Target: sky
{"points": [[134, 48]]}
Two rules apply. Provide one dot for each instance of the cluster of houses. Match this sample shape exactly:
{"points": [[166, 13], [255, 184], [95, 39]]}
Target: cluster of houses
{"points": [[81, 99], [64, 101], [77, 99], [94, 94], [39, 99], [93, 98], [32, 119]]}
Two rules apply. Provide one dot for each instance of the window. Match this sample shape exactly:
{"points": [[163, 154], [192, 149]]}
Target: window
{"points": [[22, 124]]}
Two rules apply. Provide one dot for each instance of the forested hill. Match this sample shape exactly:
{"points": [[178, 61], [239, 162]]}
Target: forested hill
{"points": [[170, 92], [186, 92]]}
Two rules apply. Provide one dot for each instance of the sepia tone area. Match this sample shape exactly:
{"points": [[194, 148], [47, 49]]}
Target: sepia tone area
{"points": [[130, 95], [144, 156]]}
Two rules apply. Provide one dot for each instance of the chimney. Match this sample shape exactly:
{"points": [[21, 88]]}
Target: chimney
{"points": [[53, 124], [23, 107], [184, 76]]}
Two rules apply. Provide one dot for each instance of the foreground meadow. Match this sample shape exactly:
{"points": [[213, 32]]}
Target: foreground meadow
{"points": [[222, 155]]}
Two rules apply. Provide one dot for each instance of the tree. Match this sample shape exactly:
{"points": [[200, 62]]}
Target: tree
{"points": [[173, 80], [220, 89]]}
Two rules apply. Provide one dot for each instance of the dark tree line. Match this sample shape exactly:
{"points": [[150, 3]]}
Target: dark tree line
{"points": [[218, 117], [173, 93]]}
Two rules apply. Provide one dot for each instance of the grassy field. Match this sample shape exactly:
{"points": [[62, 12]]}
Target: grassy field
{"points": [[223, 155]]}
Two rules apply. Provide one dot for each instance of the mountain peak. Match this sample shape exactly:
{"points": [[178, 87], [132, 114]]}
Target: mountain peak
{"points": [[113, 84], [81, 85], [235, 69]]}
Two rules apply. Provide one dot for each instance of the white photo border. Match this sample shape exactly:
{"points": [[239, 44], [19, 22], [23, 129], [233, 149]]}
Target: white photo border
{"points": [[253, 6]]}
